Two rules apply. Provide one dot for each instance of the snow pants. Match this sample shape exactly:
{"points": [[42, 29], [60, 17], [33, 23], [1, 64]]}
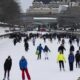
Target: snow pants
{"points": [[27, 73], [71, 66], [6, 71], [39, 55], [61, 64], [46, 55], [77, 64]]}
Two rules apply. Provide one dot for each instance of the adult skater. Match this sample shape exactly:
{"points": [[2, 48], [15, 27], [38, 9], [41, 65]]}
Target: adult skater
{"points": [[39, 49], [77, 59], [61, 60], [71, 61], [44, 38], [7, 67], [46, 50], [14, 41], [77, 40], [26, 45], [33, 40], [71, 48], [70, 41], [61, 48], [23, 67], [63, 41]]}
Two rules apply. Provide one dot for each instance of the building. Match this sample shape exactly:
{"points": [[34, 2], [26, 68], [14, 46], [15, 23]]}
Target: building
{"points": [[63, 10], [52, 7]]}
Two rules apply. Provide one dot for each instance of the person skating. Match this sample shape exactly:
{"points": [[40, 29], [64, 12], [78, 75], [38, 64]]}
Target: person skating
{"points": [[77, 40], [71, 48], [71, 61], [61, 48], [70, 41], [14, 41], [77, 59], [46, 49], [39, 49], [61, 60], [26, 45], [44, 38], [23, 67], [7, 67], [33, 40], [63, 41], [50, 38]]}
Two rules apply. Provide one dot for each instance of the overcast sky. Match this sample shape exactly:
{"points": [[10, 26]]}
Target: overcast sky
{"points": [[24, 4]]}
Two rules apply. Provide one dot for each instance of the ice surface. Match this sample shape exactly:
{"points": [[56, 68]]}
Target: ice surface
{"points": [[38, 69]]}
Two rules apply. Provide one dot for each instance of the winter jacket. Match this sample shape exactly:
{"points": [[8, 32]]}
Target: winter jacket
{"points": [[23, 64], [77, 57], [39, 48], [72, 48], [71, 58], [60, 57], [46, 49], [61, 48], [8, 64]]}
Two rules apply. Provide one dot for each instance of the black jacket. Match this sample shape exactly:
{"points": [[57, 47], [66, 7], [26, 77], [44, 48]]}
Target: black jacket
{"points": [[77, 57], [61, 48], [46, 49], [71, 48], [8, 64]]}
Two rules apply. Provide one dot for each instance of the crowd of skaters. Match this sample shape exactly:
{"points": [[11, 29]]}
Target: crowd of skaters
{"points": [[60, 56]]}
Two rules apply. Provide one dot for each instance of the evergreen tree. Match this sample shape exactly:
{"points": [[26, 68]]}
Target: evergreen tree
{"points": [[9, 10]]}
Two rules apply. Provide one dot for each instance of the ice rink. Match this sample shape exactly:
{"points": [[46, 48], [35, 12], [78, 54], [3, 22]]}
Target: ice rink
{"points": [[38, 69]]}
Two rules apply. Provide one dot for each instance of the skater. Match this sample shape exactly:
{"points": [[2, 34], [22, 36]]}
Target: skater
{"points": [[77, 59], [50, 38], [44, 38], [33, 40], [77, 40], [39, 49], [46, 49], [61, 60], [26, 45], [61, 48], [71, 61], [71, 48], [14, 41], [7, 67], [79, 49], [63, 41], [70, 41], [23, 67]]}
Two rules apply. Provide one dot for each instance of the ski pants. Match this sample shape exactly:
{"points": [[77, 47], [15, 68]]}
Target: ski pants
{"points": [[6, 71], [61, 64], [71, 66], [46, 54], [27, 73], [39, 55], [77, 64]]}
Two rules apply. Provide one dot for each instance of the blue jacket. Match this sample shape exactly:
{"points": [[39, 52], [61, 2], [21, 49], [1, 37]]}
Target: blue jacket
{"points": [[40, 48], [71, 58], [23, 64]]}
